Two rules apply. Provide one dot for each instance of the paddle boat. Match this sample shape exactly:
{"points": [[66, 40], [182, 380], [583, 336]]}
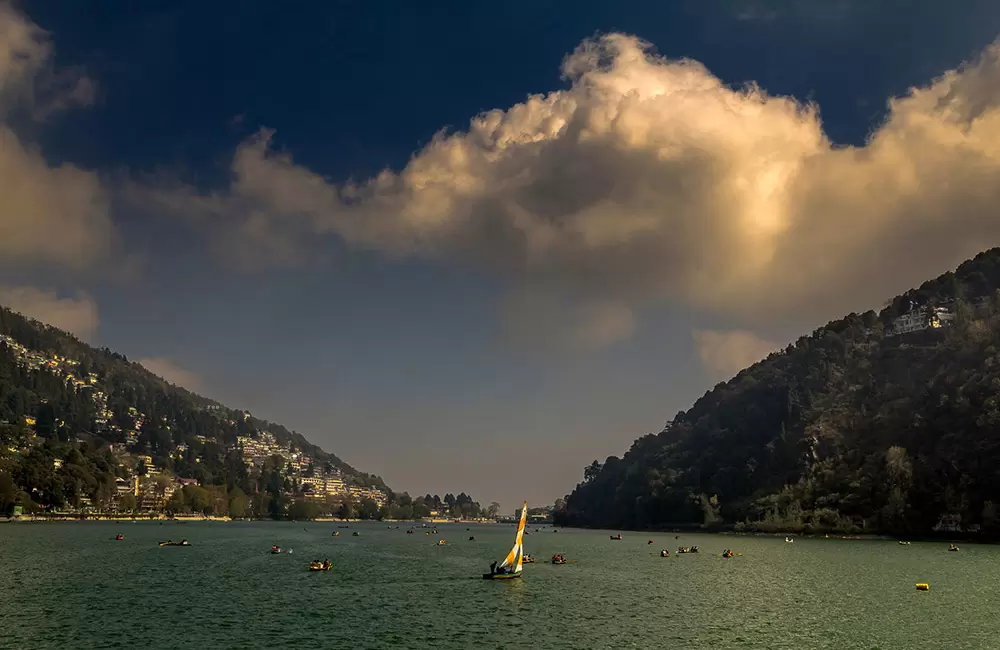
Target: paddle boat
{"points": [[529, 559], [275, 549], [119, 537], [558, 559], [316, 565], [664, 553], [616, 537], [441, 542]]}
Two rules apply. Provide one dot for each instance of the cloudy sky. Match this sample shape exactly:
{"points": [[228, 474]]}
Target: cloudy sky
{"points": [[474, 246]]}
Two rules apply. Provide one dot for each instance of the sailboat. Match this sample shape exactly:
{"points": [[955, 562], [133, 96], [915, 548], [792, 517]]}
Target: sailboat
{"points": [[511, 566]]}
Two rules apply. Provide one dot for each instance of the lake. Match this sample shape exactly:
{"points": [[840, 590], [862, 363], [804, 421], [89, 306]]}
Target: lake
{"points": [[69, 585]]}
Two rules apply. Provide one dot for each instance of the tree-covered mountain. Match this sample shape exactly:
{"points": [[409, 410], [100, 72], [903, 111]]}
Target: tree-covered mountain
{"points": [[885, 422], [75, 421]]}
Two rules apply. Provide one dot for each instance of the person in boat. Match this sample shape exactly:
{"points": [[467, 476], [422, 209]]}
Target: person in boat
{"points": [[664, 553], [493, 567]]}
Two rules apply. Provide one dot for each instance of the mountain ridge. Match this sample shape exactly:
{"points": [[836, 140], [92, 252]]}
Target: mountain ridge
{"points": [[56, 390], [864, 425]]}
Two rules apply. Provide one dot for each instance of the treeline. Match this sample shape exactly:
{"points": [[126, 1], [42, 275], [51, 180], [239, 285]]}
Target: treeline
{"points": [[845, 430]]}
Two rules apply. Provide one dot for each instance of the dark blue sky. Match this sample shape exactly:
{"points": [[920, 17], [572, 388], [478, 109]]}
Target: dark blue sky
{"points": [[405, 368]]}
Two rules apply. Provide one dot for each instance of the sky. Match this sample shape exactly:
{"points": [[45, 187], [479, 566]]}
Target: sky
{"points": [[475, 246]]}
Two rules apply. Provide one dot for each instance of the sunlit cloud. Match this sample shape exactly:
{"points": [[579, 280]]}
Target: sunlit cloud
{"points": [[75, 314], [649, 180], [725, 353], [173, 373], [49, 214]]}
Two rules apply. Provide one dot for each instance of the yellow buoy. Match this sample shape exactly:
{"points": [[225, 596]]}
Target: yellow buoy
{"points": [[923, 586]]}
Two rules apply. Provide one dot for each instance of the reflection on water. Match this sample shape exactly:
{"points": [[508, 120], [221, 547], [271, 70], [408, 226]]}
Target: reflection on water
{"points": [[71, 586]]}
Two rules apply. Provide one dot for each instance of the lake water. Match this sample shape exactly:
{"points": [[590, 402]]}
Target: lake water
{"points": [[69, 585]]}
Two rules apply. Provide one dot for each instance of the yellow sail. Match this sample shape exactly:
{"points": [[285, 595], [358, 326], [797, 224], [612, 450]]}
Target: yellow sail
{"points": [[516, 554]]}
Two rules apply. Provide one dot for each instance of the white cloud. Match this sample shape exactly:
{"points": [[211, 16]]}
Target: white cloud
{"points": [[173, 373], [650, 180], [725, 353], [48, 214], [77, 315]]}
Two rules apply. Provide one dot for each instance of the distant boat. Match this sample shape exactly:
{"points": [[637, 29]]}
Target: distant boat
{"points": [[171, 542], [511, 567]]}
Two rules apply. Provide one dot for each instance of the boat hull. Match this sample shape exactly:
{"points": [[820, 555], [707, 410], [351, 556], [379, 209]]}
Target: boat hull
{"points": [[501, 576]]}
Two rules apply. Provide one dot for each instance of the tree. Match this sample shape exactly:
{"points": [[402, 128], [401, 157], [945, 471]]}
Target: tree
{"points": [[237, 504], [8, 492], [493, 511], [303, 510], [127, 503], [347, 510]]}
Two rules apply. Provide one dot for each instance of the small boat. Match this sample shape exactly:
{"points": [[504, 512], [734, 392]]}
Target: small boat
{"points": [[616, 537], [510, 568], [441, 542], [355, 534], [529, 559], [409, 532], [952, 547], [336, 533], [558, 559], [275, 549], [902, 543], [320, 566], [664, 553], [171, 542], [119, 537], [789, 540], [727, 553], [472, 538]]}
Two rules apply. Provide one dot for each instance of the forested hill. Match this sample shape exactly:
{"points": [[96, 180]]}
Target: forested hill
{"points": [[56, 391], [885, 422]]}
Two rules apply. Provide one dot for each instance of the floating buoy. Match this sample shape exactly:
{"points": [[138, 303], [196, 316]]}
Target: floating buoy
{"points": [[923, 586]]}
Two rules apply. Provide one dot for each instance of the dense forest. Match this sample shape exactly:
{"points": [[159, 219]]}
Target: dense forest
{"points": [[854, 428]]}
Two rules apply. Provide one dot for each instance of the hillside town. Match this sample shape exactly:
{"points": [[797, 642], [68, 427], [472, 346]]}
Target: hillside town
{"points": [[141, 486]]}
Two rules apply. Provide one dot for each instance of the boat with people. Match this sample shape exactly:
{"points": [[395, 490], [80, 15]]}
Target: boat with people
{"points": [[171, 542], [616, 537], [316, 565], [952, 547], [558, 559], [275, 549], [687, 549], [355, 534], [119, 537], [529, 559], [789, 540], [511, 567], [441, 542], [472, 538], [664, 553], [336, 533], [727, 553], [902, 543]]}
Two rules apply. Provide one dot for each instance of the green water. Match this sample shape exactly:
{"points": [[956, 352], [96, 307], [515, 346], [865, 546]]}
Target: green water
{"points": [[71, 586]]}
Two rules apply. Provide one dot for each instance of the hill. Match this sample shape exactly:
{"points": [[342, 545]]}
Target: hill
{"points": [[878, 422], [78, 425]]}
